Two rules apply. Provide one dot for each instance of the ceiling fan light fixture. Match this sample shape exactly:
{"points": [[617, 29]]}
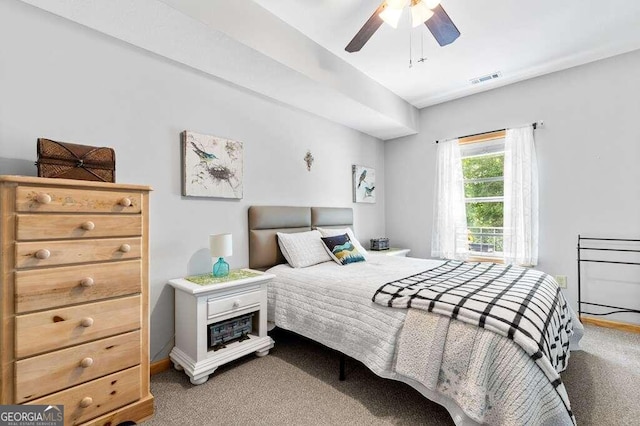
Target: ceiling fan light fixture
{"points": [[440, 24], [396, 4], [431, 4], [391, 16], [420, 13]]}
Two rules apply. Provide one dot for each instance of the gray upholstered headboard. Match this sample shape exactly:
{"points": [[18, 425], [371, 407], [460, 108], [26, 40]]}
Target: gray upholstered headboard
{"points": [[266, 221]]}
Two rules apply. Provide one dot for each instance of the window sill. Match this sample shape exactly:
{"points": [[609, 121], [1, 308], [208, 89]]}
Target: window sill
{"points": [[485, 259]]}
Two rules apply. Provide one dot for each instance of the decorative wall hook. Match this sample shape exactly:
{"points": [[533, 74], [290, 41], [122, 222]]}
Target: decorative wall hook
{"points": [[309, 160]]}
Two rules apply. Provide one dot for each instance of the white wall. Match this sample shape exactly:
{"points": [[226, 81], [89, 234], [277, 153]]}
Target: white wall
{"points": [[66, 82], [207, 35], [588, 157]]}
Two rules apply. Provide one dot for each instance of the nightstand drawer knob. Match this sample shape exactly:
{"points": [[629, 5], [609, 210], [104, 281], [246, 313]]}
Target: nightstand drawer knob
{"points": [[236, 304], [86, 363], [87, 282], [86, 401], [86, 322], [88, 225], [43, 254], [125, 248], [43, 198], [125, 202]]}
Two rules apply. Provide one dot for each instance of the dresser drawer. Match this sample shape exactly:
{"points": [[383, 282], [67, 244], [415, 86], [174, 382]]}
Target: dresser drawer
{"points": [[51, 199], [223, 306], [46, 288], [58, 226], [41, 375], [87, 401], [51, 253], [58, 328]]}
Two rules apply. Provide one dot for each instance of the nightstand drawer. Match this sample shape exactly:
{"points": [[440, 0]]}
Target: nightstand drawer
{"points": [[58, 328], [47, 199], [222, 306], [41, 375], [58, 226], [52, 253], [89, 400], [47, 288]]}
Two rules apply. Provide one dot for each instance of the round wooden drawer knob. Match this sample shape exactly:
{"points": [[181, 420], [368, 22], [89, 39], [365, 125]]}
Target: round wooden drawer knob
{"points": [[86, 401], [86, 322], [125, 248], [87, 282], [43, 254], [125, 202], [43, 198], [86, 363], [88, 225]]}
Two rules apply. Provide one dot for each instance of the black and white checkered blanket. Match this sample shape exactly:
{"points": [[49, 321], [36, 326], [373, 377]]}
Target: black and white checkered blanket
{"points": [[522, 304]]}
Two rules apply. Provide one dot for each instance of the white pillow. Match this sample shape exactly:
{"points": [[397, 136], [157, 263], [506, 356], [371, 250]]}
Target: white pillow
{"points": [[302, 249], [328, 232]]}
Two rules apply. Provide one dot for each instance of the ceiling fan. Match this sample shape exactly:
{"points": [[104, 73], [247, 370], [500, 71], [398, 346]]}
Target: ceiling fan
{"points": [[429, 12]]}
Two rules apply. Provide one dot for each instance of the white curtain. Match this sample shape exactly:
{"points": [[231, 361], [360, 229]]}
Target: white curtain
{"points": [[520, 198], [449, 238]]}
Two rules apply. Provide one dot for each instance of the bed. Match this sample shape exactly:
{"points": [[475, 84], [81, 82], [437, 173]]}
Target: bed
{"points": [[479, 376]]}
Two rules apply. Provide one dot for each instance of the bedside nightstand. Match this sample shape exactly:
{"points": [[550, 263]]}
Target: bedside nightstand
{"points": [[395, 251], [214, 301]]}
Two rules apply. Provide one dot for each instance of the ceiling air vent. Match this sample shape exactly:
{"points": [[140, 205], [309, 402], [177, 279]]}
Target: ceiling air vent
{"points": [[487, 77]]}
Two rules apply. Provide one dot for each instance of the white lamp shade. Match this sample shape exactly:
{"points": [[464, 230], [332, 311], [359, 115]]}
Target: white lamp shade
{"points": [[420, 13], [396, 4], [431, 3], [221, 245], [391, 16]]}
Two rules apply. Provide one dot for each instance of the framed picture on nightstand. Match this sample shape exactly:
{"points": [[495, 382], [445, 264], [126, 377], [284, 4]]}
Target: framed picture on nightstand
{"points": [[364, 184]]}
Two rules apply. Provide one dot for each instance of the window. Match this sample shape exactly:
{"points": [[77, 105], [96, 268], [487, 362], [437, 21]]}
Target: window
{"points": [[476, 183], [483, 171]]}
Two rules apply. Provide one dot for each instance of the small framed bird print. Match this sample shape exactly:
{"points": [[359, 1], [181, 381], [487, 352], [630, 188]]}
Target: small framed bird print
{"points": [[211, 166], [364, 184]]}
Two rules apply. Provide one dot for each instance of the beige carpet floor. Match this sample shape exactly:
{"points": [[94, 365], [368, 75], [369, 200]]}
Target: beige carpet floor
{"points": [[297, 384]]}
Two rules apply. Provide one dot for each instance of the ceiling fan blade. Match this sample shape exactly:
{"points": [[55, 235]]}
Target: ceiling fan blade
{"points": [[367, 30], [442, 27]]}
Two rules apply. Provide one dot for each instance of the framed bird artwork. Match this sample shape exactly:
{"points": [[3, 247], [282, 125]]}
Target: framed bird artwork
{"points": [[211, 166], [364, 184]]}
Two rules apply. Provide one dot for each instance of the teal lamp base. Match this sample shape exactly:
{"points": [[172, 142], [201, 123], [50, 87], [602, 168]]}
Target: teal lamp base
{"points": [[220, 268]]}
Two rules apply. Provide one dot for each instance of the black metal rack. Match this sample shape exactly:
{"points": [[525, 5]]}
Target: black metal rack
{"points": [[618, 309]]}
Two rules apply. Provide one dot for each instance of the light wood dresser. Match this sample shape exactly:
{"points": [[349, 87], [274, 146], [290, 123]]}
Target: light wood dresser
{"points": [[74, 298]]}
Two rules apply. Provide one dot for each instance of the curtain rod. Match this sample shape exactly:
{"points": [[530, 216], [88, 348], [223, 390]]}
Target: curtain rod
{"points": [[534, 124]]}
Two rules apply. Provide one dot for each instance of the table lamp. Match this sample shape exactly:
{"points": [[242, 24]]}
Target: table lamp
{"points": [[221, 245]]}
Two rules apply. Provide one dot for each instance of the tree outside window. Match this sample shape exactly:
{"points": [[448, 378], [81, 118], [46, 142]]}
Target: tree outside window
{"points": [[483, 171]]}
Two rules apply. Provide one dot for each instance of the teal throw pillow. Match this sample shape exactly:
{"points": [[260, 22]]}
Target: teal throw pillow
{"points": [[342, 250]]}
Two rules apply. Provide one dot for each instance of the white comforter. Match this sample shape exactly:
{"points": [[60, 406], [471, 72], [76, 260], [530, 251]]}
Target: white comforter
{"points": [[465, 369]]}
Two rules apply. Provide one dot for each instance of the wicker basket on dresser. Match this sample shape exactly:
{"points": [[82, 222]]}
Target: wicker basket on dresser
{"points": [[74, 298]]}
